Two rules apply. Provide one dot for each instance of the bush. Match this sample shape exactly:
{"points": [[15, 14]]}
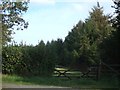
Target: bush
{"points": [[11, 59], [28, 60]]}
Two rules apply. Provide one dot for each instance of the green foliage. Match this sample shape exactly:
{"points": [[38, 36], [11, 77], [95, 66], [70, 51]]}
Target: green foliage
{"points": [[83, 42], [12, 19], [111, 45], [90, 42], [11, 59], [26, 60]]}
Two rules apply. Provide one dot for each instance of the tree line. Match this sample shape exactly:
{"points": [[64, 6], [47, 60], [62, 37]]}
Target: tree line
{"points": [[91, 41]]}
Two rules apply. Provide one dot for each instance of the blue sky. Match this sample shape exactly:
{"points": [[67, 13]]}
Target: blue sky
{"points": [[52, 19]]}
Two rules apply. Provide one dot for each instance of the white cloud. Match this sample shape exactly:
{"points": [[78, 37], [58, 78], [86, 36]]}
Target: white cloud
{"points": [[43, 1], [78, 7]]}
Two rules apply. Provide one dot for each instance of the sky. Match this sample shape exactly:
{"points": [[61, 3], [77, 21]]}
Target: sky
{"points": [[52, 19]]}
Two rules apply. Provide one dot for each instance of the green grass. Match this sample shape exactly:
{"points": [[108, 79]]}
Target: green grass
{"points": [[0, 80], [61, 81]]}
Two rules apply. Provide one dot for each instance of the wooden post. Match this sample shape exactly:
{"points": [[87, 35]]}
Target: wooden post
{"points": [[98, 71]]}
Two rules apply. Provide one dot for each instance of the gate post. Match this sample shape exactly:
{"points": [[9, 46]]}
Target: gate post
{"points": [[98, 70]]}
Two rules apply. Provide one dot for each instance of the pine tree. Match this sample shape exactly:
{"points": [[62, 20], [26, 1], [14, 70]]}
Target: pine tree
{"points": [[98, 28], [98, 22], [112, 44], [85, 38]]}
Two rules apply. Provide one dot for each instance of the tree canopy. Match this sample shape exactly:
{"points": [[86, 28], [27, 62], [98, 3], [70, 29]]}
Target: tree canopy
{"points": [[12, 19], [111, 45], [85, 38], [91, 41]]}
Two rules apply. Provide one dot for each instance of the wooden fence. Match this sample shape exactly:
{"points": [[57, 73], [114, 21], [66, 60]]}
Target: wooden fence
{"points": [[98, 70]]}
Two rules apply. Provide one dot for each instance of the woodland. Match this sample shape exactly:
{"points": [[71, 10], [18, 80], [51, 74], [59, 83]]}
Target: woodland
{"points": [[95, 40]]}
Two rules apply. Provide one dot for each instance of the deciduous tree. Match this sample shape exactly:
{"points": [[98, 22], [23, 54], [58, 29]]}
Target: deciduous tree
{"points": [[12, 18]]}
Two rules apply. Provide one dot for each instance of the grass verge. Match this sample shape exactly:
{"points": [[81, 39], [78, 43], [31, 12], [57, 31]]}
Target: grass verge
{"points": [[61, 81]]}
